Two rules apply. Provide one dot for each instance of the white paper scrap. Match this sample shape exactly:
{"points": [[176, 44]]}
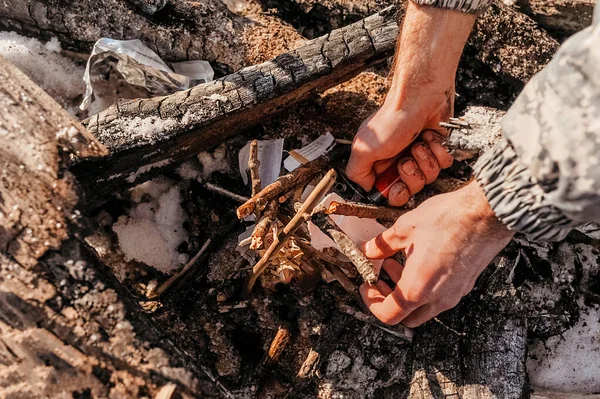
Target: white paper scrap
{"points": [[359, 230], [245, 250], [322, 145], [270, 153]]}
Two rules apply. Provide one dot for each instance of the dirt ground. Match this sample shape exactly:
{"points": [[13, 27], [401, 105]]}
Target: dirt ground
{"points": [[206, 313]]}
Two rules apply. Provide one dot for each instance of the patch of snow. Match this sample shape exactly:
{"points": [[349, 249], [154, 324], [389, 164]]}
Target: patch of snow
{"points": [[214, 161], [569, 362], [188, 171], [147, 168], [57, 75], [152, 231]]}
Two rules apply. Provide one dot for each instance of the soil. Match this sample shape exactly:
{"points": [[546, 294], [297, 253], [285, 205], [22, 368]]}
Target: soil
{"points": [[357, 360]]}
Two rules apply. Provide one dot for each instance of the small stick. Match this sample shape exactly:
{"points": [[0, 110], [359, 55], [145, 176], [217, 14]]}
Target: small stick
{"points": [[173, 279], [236, 306], [286, 233], [262, 228], [398, 330], [166, 392], [226, 193], [254, 166], [283, 184], [282, 338], [347, 247], [364, 211]]}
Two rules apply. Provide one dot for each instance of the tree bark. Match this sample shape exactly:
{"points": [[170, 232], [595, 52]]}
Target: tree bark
{"points": [[147, 136], [67, 327], [176, 30]]}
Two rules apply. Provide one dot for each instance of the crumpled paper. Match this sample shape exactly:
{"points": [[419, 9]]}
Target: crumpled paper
{"points": [[140, 66]]}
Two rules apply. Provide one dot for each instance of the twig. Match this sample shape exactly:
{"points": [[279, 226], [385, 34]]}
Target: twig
{"points": [[173, 279], [235, 306], [254, 166], [347, 247], [364, 211], [398, 330], [303, 214], [226, 193], [166, 391], [263, 227], [283, 184], [282, 338]]}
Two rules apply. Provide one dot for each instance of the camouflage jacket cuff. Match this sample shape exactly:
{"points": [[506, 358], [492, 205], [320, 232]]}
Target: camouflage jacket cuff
{"points": [[516, 198], [467, 6]]}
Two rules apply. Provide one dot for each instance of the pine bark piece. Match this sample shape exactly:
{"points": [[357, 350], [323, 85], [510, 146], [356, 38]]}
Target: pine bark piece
{"points": [[175, 30], [364, 211], [147, 136], [296, 178]]}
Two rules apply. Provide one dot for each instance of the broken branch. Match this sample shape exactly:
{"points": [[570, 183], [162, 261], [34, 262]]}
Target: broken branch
{"points": [[225, 193], [301, 216], [284, 183], [364, 211], [254, 166], [278, 345], [169, 283]]}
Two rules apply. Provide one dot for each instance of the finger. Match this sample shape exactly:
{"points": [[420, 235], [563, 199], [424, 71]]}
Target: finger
{"points": [[398, 194], [393, 269], [384, 245], [389, 309], [360, 168], [383, 288], [435, 143], [381, 166], [411, 175], [426, 161], [421, 315]]}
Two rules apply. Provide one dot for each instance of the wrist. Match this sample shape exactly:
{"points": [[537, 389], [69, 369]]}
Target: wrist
{"points": [[482, 215]]}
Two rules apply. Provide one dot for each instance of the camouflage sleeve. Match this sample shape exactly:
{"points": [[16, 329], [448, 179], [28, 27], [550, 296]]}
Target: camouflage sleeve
{"points": [[468, 6], [543, 177]]}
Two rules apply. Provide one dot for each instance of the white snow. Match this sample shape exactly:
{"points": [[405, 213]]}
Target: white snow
{"points": [[214, 161], [569, 362], [59, 76], [153, 229]]}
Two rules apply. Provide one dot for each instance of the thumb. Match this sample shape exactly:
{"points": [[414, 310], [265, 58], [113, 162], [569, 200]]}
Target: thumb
{"points": [[385, 244], [360, 169]]}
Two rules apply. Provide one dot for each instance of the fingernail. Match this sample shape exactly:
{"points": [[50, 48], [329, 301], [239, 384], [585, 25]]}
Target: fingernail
{"points": [[421, 152], [409, 167]]}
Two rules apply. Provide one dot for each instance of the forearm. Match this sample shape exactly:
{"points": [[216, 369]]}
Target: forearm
{"points": [[543, 178], [428, 51]]}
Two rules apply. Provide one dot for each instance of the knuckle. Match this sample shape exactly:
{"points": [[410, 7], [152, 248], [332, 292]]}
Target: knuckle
{"points": [[448, 303], [416, 295]]}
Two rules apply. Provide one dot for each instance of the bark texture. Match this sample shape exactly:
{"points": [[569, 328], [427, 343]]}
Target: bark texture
{"points": [[39, 141], [146, 136], [176, 30]]}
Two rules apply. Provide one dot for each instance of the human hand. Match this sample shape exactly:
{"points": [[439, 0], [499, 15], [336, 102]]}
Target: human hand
{"points": [[420, 97], [448, 241]]}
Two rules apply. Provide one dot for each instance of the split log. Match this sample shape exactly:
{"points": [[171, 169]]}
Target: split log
{"points": [[478, 349], [176, 30], [149, 135], [67, 327]]}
